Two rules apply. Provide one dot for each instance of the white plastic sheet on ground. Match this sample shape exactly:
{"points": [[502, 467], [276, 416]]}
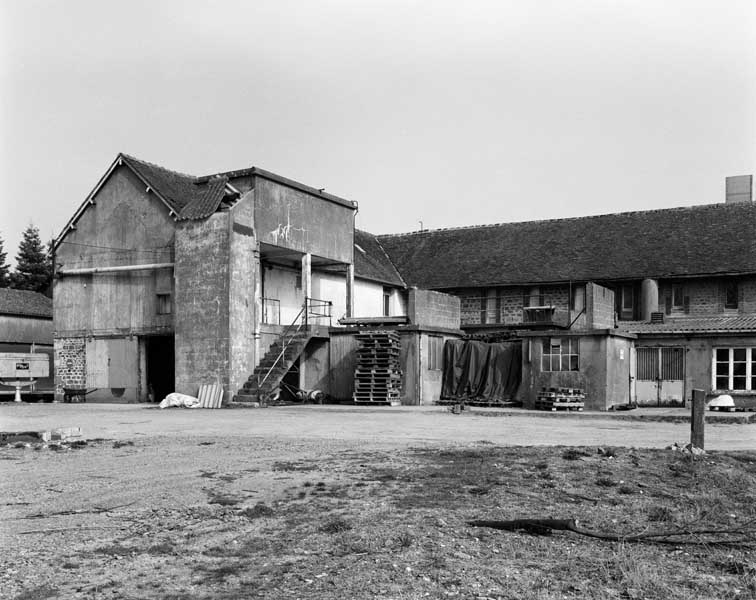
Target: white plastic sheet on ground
{"points": [[176, 400]]}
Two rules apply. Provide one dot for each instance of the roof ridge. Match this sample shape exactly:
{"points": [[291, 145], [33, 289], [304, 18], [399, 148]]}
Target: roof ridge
{"points": [[157, 166], [567, 219]]}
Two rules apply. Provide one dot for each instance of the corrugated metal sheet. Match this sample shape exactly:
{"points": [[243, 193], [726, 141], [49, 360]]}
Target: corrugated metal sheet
{"points": [[210, 396]]}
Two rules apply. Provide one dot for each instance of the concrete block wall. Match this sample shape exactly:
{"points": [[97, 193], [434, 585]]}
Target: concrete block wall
{"points": [[599, 305], [434, 309], [202, 303], [70, 364]]}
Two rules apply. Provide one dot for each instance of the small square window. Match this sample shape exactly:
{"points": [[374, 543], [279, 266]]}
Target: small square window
{"points": [[164, 304]]}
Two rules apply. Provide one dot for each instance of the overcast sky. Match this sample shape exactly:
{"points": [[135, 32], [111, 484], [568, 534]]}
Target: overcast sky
{"points": [[450, 113]]}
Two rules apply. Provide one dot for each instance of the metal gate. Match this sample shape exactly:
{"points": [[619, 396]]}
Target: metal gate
{"points": [[660, 376]]}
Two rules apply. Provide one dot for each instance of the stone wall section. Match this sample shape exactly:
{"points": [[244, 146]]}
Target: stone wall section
{"points": [[70, 364]]}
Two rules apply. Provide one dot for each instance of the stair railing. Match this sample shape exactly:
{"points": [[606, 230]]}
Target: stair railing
{"points": [[312, 307], [287, 337]]}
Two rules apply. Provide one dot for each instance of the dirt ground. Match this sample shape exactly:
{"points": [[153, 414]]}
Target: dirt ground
{"points": [[328, 502]]}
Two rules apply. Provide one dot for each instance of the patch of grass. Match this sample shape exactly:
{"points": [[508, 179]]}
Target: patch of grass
{"points": [[660, 514], [258, 511], [122, 444], [336, 525], [626, 489], [285, 465], [161, 549], [574, 454], [223, 499], [42, 592], [604, 481], [114, 550]]}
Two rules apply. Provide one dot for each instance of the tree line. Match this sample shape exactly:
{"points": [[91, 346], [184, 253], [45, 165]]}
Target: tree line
{"points": [[34, 264]]}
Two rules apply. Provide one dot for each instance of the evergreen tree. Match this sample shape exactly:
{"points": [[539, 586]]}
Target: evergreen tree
{"points": [[33, 269], [4, 267]]}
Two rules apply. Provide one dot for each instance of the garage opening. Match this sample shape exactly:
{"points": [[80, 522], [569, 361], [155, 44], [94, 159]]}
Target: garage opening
{"points": [[160, 366]]}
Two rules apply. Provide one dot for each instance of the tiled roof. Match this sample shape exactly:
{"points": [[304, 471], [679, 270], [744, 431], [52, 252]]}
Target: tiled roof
{"points": [[188, 198], [696, 240], [371, 261], [734, 324], [25, 303]]}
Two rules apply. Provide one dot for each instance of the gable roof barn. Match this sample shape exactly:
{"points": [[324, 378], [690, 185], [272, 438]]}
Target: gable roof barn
{"points": [[715, 239], [25, 303]]}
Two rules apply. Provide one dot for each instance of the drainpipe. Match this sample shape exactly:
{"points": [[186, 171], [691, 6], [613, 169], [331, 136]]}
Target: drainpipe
{"points": [[121, 268]]}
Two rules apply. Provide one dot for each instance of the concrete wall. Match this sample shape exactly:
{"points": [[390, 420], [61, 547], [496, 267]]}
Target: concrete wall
{"points": [[599, 308], [202, 303], [433, 309], [604, 370], [293, 219], [25, 330], [243, 282]]}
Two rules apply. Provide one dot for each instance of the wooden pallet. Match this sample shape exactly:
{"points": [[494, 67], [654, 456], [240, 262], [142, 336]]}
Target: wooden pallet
{"points": [[559, 405]]}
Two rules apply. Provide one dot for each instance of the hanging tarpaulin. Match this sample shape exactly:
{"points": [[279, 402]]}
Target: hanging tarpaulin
{"points": [[481, 371]]}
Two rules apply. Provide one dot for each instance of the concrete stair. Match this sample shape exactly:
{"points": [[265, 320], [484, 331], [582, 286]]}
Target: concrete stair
{"points": [[274, 368]]}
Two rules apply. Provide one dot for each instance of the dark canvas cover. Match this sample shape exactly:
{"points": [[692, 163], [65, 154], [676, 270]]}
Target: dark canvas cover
{"points": [[481, 371]]}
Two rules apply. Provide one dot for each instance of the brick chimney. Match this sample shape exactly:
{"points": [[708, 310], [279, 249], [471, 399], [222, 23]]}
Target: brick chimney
{"points": [[739, 189]]}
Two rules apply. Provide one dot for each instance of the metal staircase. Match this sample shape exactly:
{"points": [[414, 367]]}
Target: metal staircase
{"points": [[282, 355]]}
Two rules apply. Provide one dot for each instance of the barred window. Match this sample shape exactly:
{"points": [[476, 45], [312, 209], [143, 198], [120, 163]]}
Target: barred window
{"points": [[560, 354]]}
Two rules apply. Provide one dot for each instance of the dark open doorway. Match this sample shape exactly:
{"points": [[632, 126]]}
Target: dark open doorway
{"points": [[160, 366]]}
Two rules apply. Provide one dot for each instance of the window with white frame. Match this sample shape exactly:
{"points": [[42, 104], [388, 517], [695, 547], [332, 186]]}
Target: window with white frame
{"points": [[734, 369], [560, 354]]}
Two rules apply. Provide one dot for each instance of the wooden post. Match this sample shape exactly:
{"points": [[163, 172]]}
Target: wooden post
{"points": [[350, 290], [697, 419]]}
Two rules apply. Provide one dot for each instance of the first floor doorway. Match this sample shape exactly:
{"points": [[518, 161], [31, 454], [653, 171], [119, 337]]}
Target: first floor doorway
{"points": [[160, 366]]}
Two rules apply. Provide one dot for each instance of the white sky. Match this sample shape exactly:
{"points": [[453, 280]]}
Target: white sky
{"points": [[453, 113]]}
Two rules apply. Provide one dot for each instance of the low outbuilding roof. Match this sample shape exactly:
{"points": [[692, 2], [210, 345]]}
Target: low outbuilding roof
{"points": [[371, 261], [694, 325], [25, 303]]}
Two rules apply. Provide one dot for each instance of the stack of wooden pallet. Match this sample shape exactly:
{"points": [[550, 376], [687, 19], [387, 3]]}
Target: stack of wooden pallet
{"points": [[378, 376], [560, 398]]}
